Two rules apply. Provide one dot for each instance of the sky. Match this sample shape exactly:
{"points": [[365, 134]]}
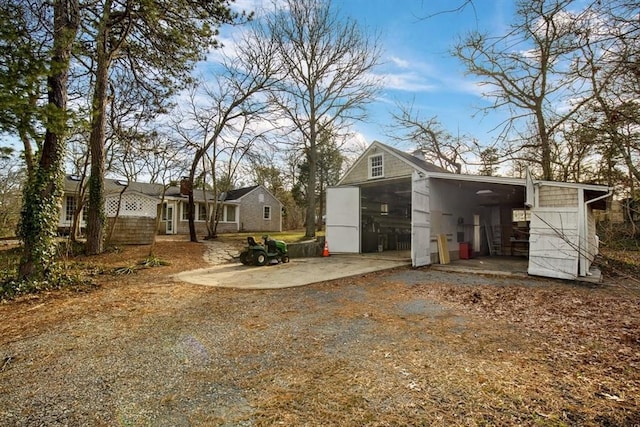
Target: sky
{"points": [[417, 69], [416, 37]]}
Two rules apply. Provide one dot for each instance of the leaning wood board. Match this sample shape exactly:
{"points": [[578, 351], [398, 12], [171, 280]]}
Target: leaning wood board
{"points": [[443, 249]]}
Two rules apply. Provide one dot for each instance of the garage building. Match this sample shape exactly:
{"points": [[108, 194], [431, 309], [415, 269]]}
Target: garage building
{"points": [[390, 200]]}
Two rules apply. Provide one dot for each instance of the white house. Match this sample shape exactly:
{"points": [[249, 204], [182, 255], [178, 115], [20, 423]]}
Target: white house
{"points": [[391, 200]]}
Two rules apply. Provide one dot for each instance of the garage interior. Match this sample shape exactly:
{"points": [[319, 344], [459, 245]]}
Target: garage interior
{"points": [[477, 218], [385, 218]]}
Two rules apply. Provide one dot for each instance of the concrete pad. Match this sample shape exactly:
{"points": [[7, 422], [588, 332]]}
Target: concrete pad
{"points": [[298, 272]]}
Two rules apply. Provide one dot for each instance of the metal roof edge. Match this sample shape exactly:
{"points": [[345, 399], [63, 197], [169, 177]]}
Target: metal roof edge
{"points": [[477, 178], [514, 181], [592, 187]]}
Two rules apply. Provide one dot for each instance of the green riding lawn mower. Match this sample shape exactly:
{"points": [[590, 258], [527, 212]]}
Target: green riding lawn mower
{"points": [[272, 251]]}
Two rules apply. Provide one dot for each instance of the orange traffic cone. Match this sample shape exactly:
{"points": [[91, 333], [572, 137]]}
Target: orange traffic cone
{"points": [[325, 252]]}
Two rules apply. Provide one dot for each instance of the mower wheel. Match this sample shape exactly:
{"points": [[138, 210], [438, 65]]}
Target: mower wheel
{"points": [[261, 258], [284, 258], [244, 257]]}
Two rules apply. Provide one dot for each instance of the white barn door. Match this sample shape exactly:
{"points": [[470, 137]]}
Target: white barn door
{"points": [[420, 221], [343, 219], [554, 243]]}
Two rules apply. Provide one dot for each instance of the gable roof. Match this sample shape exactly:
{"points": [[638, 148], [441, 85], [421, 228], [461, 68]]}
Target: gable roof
{"points": [[410, 158], [116, 186], [413, 161], [237, 193], [111, 186]]}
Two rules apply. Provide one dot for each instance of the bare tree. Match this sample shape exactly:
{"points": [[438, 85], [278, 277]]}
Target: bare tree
{"points": [[531, 71], [222, 119], [12, 173], [610, 49], [328, 63], [436, 144], [156, 44]]}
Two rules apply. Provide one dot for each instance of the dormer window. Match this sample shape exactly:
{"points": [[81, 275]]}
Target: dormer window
{"points": [[376, 166]]}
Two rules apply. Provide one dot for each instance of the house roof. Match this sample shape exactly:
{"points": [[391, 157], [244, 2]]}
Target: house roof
{"points": [[414, 160], [116, 186], [237, 193], [111, 186], [173, 192]]}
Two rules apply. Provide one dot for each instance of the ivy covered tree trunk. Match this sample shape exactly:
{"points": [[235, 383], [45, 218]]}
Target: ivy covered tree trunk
{"points": [[95, 213], [41, 204]]}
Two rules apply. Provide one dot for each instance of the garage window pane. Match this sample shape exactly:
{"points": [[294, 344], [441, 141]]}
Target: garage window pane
{"points": [[519, 215]]}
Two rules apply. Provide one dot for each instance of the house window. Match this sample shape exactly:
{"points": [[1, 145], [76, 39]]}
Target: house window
{"points": [[70, 208], [376, 166], [266, 212], [202, 212], [384, 209], [230, 213]]}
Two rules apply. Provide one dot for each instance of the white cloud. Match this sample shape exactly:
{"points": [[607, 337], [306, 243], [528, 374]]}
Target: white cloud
{"points": [[409, 82], [402, 63]]}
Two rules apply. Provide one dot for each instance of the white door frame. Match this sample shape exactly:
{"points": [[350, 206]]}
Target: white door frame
{"points": [[420, 221], [170, 221], [343, 219]]}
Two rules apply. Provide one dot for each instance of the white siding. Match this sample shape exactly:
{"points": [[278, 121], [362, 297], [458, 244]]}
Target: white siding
{"points": [[343, 219], [393, 167], [420, 222], [554, 243]]}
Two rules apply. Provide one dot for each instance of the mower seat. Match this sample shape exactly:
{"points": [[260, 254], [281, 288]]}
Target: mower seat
{"points": [[251, 241]]}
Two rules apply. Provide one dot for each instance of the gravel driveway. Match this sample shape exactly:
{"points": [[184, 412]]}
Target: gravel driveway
{"points": [[390, 348]]}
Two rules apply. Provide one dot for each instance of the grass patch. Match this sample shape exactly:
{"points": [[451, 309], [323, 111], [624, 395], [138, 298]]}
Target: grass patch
{"points": [[148, 262], [621, 263], [153, 261]]}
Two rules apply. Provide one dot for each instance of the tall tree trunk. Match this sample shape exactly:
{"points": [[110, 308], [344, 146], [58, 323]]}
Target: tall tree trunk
{"points": [[312, 156], [321, 196], [192, 206], [545, 146], [41, 205], [95, 214]]}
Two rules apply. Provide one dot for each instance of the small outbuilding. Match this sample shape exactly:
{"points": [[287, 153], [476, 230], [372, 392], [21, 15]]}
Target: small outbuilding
{"points": [[390, 200]]}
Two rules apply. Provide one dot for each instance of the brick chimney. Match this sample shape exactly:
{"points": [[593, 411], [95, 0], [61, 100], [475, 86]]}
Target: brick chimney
{"points": [[185, 186]]}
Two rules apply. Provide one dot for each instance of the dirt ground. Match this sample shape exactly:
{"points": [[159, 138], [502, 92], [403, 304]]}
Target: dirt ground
{"points": [[403, 347]]}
